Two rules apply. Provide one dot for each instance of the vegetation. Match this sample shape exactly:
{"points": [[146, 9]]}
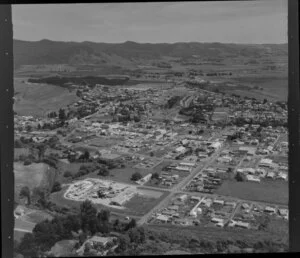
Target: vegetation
{"points": [[136, 176]]}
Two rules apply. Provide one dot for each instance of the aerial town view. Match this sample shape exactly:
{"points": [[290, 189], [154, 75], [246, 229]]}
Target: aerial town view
{"points": [[179, 147]]}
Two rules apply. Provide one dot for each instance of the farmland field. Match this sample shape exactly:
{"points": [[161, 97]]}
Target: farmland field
{"points": [[39, 99], [274, 88], [267, 191]]}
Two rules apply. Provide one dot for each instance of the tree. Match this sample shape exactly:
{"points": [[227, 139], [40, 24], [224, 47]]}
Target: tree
{"points": [[265, 101], [155, 175], [230, 170], [131, 224], [56, 187], [136, 176], [41, 150], [87, 214], [136, 119], [18, 144], [25, 192], [68, 174], [27, 246], [103, 171], [104, 216], [86, 155], [61, 114], [240, 177], [151, 154]]}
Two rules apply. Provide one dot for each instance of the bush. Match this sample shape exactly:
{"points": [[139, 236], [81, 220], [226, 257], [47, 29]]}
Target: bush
{"points": [[56, 187], [136, 176], [27, 162], [103, 171], [240, 177], [68, 174]]}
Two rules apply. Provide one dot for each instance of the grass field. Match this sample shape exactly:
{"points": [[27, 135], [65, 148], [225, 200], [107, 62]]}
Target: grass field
{"points": [[139, 205], [25, 225], [31, 175], [39, 99], [37, 216], [272, 191], [275, 87], [214, 233]]}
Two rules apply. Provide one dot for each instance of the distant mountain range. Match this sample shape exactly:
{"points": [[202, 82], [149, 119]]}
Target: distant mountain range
{"points": [[75, 53]]}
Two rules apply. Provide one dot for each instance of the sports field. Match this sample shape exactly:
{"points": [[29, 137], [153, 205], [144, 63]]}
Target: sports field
{"points": [[273, 191]]}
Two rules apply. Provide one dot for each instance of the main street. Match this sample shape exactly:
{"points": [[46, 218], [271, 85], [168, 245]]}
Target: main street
{"points": [[177, 188]]}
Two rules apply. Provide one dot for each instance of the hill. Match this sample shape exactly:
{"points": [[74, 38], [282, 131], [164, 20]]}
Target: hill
{"points": [[130, 53]]}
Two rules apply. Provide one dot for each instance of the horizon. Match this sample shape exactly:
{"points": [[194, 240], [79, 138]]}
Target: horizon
{"points": [[241, 22], [170, 43]]}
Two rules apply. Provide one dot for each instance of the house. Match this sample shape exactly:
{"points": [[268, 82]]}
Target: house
{"points": [[221, 202], [162, 218], [283, 212], [282, 176], [217, 220], [233, 204], [196, 198], [245, 206], [180, 149], [270, 175], [215, 145], [250, 171], [225, 159], [252, 178], [242, 224], [269, 209], [265, 163], [182, 197], [173, 207]]}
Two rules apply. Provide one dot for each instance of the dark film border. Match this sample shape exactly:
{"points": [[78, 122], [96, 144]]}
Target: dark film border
{"points": [[7, 132], [294, 125]]}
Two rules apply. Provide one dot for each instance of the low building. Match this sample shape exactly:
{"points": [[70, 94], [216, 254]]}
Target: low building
{"points": [[252, 178], [162, 218], [242, 224]]}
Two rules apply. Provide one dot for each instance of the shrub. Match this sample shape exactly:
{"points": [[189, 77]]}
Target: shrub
{"points": [[136, 176], [27, 162], [68, 174]]}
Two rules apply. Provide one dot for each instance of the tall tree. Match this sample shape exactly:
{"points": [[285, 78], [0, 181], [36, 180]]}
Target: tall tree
{"points": [[25, 192], [62, 114], [87, 214]]}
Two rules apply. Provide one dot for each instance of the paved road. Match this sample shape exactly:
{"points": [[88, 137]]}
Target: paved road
{"points": [[177, 188]]}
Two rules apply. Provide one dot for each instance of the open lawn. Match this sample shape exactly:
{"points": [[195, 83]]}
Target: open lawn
{"points": [[31, 175], [104, 142], [37, 216], [272, 191], [141, 204], [24, 225], [39, 99], [214, 233]]}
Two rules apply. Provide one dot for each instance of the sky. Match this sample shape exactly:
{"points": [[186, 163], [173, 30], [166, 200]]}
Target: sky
{"points": [[263, 21]]}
